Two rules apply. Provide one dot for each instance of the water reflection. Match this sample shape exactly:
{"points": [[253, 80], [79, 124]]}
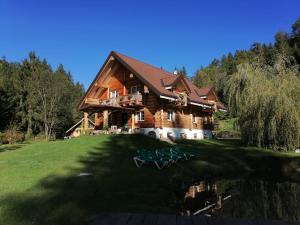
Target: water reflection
{"points": [[244, 199]]}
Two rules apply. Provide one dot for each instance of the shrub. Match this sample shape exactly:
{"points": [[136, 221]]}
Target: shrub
{"points": [[11, 135]]}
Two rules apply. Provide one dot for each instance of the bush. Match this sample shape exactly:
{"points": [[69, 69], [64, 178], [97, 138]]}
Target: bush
{"points": [[11, 136], [227, 134], [220, 115]]}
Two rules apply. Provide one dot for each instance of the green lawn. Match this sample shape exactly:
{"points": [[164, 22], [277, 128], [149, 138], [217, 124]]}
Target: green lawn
{"points": [[39, 182]]}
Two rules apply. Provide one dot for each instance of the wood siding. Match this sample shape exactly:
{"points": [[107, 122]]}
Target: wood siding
{"points": [[155, 109]]}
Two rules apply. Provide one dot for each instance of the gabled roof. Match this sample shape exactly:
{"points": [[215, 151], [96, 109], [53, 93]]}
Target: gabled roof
{"points": [[157, 79], [149, 74]]}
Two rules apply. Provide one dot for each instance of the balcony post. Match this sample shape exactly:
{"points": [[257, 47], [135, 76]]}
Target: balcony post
{"points": [[85, 121], [132, 122], [96, 118], [105, 118]]}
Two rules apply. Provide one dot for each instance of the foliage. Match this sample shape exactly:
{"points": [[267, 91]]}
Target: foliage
{"points": [[181, 71], [219, 115], [36, 98], [11, 135], [266, 101], [261, 87], [217, 73]]}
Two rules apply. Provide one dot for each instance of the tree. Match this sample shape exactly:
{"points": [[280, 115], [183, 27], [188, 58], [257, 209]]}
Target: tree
{"points": [[36, 99], [182, 71], [266, 102]]}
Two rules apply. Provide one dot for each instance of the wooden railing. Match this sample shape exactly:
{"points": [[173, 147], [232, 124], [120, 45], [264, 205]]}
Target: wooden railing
{"points": [[120, 101], [182, 99]]}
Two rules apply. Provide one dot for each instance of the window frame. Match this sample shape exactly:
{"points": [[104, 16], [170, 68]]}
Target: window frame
{"points": [[140, 116], [136, 87], [172, 115], [115, 92]]}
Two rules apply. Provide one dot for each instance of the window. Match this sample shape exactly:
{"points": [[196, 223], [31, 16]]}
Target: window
{"points": [[194, 118], [140, 116], [133, 90], [113, 94], [195, 135], [170, 116]]}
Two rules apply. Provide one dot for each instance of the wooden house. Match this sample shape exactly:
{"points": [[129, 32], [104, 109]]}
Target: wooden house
{"points": [[136, 97]]}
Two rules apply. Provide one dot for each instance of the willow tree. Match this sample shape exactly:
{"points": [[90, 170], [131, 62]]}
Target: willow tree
{"points": [[266, 102]]}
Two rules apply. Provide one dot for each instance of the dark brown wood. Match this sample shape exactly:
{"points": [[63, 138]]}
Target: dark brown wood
{"points": [[162, 219], [166, 220]]}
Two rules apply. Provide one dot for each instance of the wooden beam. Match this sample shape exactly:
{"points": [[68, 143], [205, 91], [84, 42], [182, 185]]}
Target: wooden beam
{"points": [[85, 121], [108, 93], [96, 117], [132, 122], [105, 118], [101, 85], [161, 118]]}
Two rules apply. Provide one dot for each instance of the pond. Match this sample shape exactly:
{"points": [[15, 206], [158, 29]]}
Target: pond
{"points": [[243, 198]]}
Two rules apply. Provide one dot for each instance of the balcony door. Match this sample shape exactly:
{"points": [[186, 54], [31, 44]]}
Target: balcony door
{"points": [[113, 94], [124, 119]]}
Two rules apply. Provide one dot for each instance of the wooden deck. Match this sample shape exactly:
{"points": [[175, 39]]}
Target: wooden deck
{"points": [[163, 219]]}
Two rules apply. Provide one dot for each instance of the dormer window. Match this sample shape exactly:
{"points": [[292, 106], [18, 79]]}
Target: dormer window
{"points": [[134, 89]]}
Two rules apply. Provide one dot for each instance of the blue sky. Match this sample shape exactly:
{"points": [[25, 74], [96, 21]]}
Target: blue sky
{"points": [[80, 34]]}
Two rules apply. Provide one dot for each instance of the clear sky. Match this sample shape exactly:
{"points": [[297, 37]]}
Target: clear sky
{"points": [[168, 34]]}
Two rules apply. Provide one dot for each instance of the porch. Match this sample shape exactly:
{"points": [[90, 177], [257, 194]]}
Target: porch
{"points": [[115, 115]]}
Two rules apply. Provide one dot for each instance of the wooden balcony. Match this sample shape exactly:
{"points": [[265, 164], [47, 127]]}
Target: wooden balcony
{"points": [[182, 99], [131, 100]]}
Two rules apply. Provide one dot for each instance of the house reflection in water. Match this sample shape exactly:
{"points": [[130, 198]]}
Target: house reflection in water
{"points": [[251, 198], [203, 198]]}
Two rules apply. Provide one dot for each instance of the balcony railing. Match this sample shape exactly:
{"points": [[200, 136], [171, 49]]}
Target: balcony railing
{"points": [[119, 101], [182, 99]]}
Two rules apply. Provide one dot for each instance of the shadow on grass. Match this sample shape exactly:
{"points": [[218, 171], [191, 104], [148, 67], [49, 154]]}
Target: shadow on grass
{"points": [[10, 147], [113, 183]]}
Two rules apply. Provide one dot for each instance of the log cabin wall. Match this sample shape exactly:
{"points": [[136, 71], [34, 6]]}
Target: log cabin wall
{"points": [[121, 81], [151, 103], [182, 118]]}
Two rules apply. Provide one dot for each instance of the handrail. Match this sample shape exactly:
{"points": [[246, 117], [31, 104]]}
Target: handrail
{"points": [[130, 99]]}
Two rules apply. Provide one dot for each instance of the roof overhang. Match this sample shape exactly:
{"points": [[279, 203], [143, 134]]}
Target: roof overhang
{"points": [[167, 97], [201, 105]]}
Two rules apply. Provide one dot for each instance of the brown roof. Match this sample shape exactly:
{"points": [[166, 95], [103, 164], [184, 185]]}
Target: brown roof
{"points": [[151, 75], [157, 79]]}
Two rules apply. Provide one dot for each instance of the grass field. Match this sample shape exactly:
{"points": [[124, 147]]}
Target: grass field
{"points": [[39, 182]]}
